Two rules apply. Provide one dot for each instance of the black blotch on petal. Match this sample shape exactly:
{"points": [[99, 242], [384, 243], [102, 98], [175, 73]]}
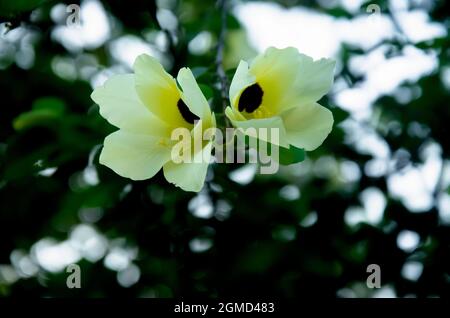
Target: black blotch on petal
{"points": [[186, 113], [251, 98]]}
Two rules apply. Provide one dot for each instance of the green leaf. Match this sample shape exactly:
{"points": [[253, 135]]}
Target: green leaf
{"points": [[52, 104], [291, 155], [284, 156], [43, 110], [206, 90], [232, 22]]}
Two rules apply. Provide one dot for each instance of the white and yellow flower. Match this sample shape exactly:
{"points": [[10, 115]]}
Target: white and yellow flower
{"points": [[280, 89], [146, 107]]}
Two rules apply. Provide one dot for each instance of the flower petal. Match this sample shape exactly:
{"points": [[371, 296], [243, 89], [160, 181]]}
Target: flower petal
{"points": [[189, 176], [276, 71], [314, 79], [233, 114], [192, 94], [121, 107], [158, 90], [274, 61], [241, 80], [134, 156], [260, 128], [307, 126]]}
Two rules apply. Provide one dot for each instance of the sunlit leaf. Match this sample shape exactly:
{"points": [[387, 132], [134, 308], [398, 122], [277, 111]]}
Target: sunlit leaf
{"points": [[43, 110]]}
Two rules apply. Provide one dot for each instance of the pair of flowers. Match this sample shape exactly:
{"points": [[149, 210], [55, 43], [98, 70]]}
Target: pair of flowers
{"points": [[279, 89]]}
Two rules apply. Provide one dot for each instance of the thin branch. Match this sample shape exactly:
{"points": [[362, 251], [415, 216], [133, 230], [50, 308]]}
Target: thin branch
{"points": [[221, 4], [401, 35]]}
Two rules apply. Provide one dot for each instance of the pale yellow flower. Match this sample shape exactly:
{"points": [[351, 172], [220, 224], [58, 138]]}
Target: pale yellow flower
{"points": [[146, 107], [280, 89]]}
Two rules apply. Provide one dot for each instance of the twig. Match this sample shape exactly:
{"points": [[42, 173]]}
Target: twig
{"points": [[401, 35], [221, 4]]}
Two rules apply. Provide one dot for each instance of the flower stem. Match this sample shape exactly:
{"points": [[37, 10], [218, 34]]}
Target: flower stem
{"points": [[223, 81]]}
